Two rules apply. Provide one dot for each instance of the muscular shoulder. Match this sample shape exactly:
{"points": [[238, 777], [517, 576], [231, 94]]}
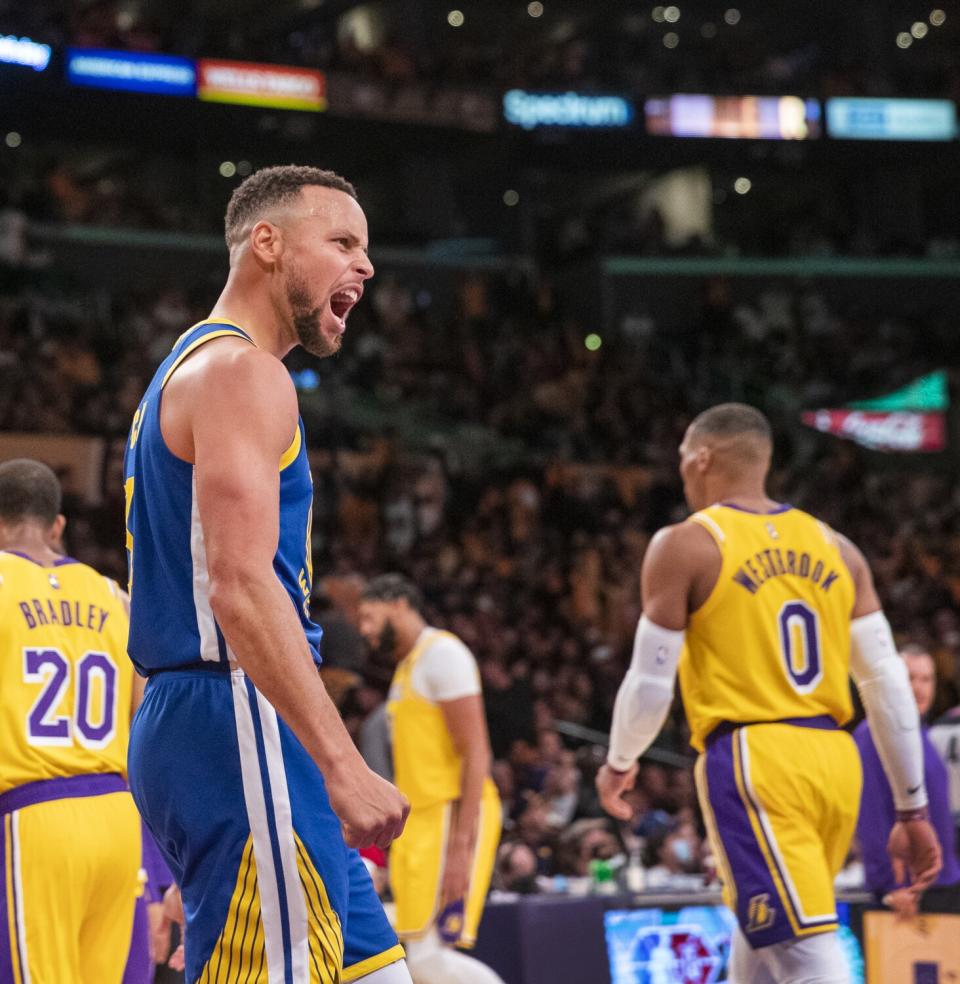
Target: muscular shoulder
{"points": [[687, 544], [233, 370]]}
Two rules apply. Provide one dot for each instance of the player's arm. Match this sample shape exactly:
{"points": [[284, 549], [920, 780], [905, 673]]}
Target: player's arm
{"points": [[671, 568], [242, 414], [467, 725], [884, 685]]}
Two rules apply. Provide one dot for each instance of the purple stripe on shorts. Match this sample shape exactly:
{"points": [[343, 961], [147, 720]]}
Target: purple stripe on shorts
{"points": [[747, 864], [821, 722], [63, 787], [6, 953]]}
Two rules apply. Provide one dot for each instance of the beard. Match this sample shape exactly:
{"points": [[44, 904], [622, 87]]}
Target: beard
{"points": [[307, 318], [387, 643]]}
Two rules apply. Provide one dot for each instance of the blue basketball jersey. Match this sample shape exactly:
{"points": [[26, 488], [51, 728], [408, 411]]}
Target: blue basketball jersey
{"points": [[171, 622]]}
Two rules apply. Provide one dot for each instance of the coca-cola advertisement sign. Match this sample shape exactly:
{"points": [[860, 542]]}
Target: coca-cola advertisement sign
{"points": [[905, 430]]}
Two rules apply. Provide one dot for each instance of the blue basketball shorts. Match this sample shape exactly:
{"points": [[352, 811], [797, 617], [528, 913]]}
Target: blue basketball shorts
{"points": [[240, 812]]}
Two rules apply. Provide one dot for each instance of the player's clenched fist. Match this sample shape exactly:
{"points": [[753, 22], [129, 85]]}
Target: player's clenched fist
{"points": [[372, 810]]}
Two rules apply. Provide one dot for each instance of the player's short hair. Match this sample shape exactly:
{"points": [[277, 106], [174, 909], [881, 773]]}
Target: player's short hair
{"points": [[28, 490], [391, 587], [915, 649], [272, 186], [732, 420]]}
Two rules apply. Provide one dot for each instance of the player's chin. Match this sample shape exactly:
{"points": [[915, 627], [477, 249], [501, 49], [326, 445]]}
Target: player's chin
{"points": [[324, 339]]}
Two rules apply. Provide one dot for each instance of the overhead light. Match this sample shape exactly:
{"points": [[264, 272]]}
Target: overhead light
{"points": [[919, 29], [228, 169], [455, 18], [671, 39], [937, 17], [732, 16], [904, 39], [244, 168], [592, 342], [658, 14], [671, 14], [13, 139], [510, 197], [535, 9], [742, 185]]}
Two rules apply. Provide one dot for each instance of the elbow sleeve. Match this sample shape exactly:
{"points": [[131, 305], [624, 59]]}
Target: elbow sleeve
{"points": [[646, 693], [884, 684]]}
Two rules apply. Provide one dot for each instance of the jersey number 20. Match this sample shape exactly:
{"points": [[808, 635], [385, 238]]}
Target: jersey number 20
{"points": [[800, 646], [93, 722]]}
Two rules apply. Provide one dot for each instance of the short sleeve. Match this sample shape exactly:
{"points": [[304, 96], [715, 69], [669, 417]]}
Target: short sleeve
{"points": [[446, 671]]}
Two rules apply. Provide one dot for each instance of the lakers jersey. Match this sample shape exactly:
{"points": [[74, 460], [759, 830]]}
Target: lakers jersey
{"points": [[171, 622], [772, 641], [65, 679]]}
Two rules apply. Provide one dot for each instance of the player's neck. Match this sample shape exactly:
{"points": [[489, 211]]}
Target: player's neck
{"points": [[253, 310], [30, 545], [753, 500], [407, 635]]}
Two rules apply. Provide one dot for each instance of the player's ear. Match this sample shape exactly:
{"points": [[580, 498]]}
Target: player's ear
{"points": [[56, 532], [704, 458], [266, 242]]}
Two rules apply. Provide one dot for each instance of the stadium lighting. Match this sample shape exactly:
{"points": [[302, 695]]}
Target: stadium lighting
{"points": [[732, 16], [510, 197], [13, 139], [904, 39], [742, 185], [455, 18], [535, 9], [671, 14], [658, 14], [228, 169], [592, 342], [244, 168], [937, 17], [919, 29], [671, 39]]}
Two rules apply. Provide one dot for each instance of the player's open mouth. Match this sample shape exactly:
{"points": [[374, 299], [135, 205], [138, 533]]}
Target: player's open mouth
{"points": [[342, 302]]}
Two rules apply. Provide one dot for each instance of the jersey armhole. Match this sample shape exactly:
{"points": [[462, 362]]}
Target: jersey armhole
{"points": [[719, 538]]}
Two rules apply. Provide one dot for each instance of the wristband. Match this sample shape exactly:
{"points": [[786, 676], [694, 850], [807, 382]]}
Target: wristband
{"points": [[920, 813]]}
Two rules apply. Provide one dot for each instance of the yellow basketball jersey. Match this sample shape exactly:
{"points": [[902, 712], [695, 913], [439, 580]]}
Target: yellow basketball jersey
{"points": [[65, 678], [772, 641], [427, 766]]}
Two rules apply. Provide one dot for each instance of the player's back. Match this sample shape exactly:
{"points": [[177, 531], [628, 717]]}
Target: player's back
{"points": [[772, 641], [65, 679]]}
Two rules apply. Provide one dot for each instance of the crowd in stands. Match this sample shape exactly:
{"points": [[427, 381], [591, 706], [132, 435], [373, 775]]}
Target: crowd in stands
{"points": [[520, 492], [747, 48]]}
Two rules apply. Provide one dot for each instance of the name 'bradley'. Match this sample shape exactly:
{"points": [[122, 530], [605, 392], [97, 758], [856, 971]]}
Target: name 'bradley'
{"points": [[765, 565], [76, 614]]}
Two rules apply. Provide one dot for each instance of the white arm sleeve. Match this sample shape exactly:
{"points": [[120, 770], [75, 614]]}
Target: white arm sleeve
{"points": [[884, 684], [646, 693], [446, 671]]}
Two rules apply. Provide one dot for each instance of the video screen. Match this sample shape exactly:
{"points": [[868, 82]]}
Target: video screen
{"points": [[690, 945], [735, 117]]}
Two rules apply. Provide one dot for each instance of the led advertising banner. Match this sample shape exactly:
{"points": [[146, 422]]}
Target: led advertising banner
{"points": [[23, 51], [131, 71], [254, 84], [565, 109], [892, 119], [735, 117]]}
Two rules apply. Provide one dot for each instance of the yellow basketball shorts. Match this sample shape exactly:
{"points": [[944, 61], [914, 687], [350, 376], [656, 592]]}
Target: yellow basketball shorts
{"points": [[416, 868], [780, 802], [70, 853]]}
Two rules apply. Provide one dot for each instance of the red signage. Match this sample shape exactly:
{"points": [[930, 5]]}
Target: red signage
{"points": [[902, 430], [254, 84]]}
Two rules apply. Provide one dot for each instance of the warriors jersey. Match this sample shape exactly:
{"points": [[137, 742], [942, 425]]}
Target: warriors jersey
{"points": [[772, 641], [65, 679], [171, 622]]}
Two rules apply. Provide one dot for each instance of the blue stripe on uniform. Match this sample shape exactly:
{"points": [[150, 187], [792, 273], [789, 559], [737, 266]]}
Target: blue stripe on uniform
{"points": [[274, 838]]}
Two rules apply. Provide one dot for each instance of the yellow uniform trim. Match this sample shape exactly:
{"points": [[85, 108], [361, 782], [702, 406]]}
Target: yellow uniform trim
{"points": [[371, 964], [323, 923], [233, 330], [290, 455]]}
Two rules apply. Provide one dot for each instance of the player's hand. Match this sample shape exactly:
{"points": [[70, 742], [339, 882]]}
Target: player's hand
{"points": [[903, 902], [372, 811], [456, 871], [915, 852], [611, 785], [160, 927], [173, 913]]}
